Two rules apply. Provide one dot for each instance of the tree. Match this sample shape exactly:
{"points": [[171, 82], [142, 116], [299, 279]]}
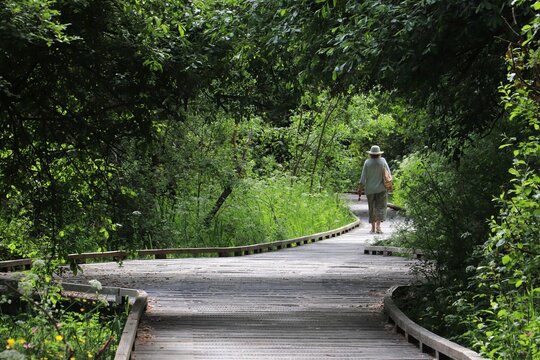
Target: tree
{"points": [[76, 79], [444, 56]]}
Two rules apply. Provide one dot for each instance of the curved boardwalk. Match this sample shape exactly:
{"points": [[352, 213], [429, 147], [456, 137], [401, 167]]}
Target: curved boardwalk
{"points": [[317, 301]]}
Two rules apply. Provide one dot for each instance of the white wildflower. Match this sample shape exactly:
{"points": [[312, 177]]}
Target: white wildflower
{"points": [[95, 284], [39, 263], [27, 284]]}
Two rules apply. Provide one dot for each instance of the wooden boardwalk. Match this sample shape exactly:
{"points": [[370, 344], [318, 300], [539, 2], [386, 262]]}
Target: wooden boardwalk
{"points": [[318, 301]]}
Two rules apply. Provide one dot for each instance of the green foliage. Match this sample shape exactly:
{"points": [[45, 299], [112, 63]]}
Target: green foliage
{"points": [[171, 187], [383, 119], [35, 22], [496, 311], [39, 322], [446, 310], [314, 139], [448, 203], [328, 137], [443, 56], [508, 277]]}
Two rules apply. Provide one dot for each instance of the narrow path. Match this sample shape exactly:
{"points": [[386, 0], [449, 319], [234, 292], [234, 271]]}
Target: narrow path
{"points": [[318, 301]]}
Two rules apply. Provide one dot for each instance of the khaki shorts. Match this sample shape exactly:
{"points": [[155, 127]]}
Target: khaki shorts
{"points": [[377, 204]]}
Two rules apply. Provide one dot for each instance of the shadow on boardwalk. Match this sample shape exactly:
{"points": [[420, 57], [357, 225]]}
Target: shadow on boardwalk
{"points": [[318, 301]]}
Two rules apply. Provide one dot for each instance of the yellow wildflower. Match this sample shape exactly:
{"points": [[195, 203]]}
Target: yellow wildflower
{"points": [[21, 341], [10, 343], [90, 356], [59, 337], [72, 358]]}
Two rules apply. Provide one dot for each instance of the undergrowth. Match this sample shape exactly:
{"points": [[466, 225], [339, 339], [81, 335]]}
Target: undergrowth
{"points": [[37, 321]]}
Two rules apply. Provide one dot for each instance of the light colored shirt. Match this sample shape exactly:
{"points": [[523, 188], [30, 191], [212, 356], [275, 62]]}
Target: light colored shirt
{"points": [[372, 175]]}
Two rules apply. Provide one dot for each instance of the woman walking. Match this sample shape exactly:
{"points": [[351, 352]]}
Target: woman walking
{"points": [[372, 183]]}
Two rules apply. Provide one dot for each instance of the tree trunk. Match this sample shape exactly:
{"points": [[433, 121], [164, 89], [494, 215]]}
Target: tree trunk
{"points": [[319, 145], [218, 204]]}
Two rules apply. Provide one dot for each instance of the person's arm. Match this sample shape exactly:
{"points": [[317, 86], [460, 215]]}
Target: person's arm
{"points": [[362, 182]]}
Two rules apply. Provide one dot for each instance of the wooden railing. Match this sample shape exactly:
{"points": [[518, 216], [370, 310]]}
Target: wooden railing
{"points": [[428, 342], [13, 265]]}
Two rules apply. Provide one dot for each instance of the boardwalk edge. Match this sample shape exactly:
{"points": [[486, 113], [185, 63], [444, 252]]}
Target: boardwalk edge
{"points": [[129, 333], [19, 264], [427, 341]]}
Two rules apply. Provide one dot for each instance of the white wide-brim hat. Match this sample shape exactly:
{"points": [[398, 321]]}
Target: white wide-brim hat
{"points": [[375, 150]]}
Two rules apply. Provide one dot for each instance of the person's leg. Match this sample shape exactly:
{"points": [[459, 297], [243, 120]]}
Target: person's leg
{"points": [[380, 205], [371, 211]]}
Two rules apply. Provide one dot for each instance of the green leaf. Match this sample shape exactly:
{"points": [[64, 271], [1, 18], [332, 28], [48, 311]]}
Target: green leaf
{"points": [[519, 283], [506, 259], [104, 232], [181, 30], [536, 6]]}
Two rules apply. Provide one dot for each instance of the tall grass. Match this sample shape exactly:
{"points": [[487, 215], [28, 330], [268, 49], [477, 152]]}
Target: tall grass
{"points": [[261, 210]]}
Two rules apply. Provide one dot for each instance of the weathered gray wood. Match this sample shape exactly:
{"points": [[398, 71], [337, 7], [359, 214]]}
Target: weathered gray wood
{"points": [[318, 301], [125, 346], [431, 342], [14, 265], [392, 250]]}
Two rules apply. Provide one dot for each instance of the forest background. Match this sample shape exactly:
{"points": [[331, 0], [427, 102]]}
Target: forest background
{"points": [[128, 124]]}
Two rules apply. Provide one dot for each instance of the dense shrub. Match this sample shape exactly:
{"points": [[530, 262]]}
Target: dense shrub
{"points": [[448, 202], [508, 278], [495, 310]]}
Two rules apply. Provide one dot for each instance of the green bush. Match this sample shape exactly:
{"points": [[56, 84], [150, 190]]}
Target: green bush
{"points": [[507, 281], [447, 204], [496, 310], [508, 278]]}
